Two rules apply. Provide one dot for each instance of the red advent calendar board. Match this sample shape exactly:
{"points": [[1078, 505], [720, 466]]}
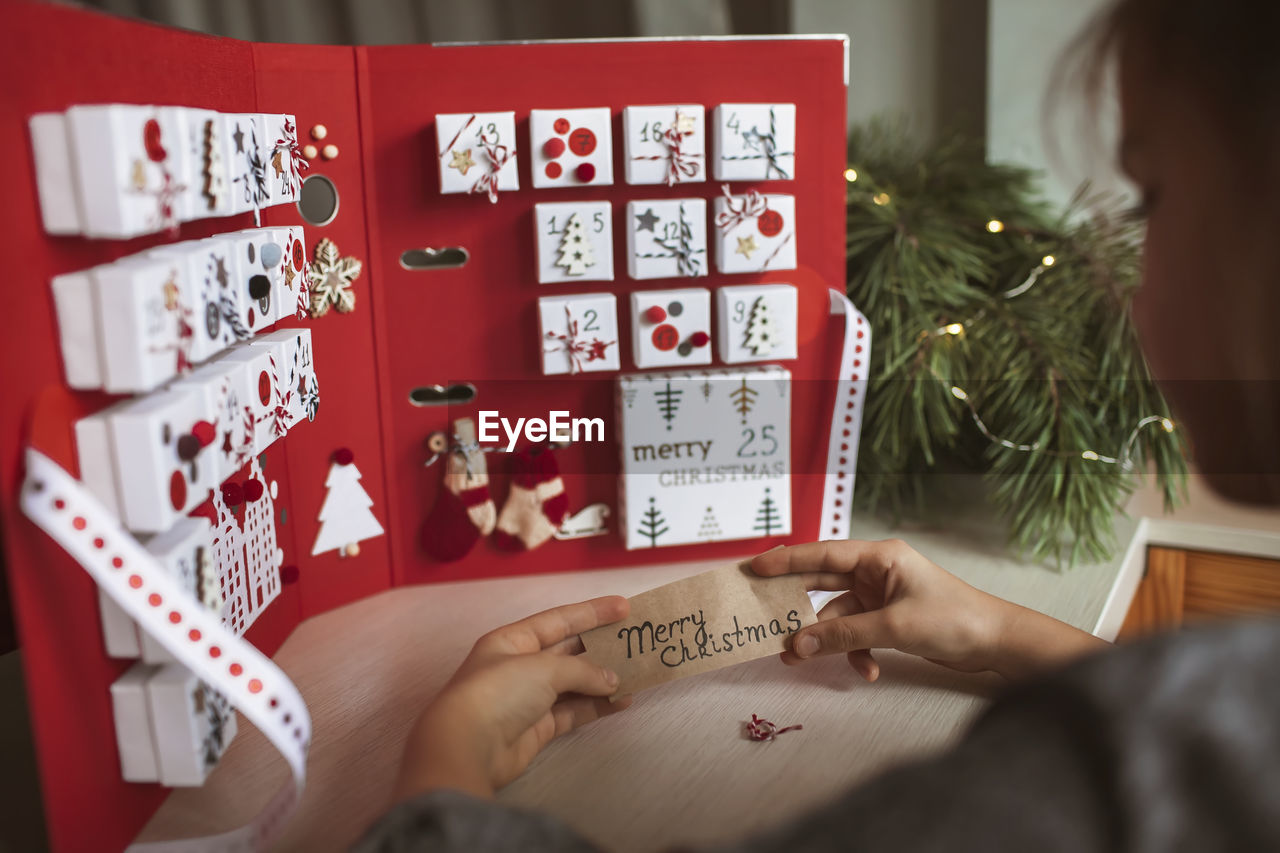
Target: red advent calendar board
{"points": [[274, 417]]}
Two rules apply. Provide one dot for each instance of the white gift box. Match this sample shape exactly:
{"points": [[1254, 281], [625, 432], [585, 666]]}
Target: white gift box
{"points": [[705, 456], [664, 144], [259, 391], [257, 255], [163, 468], [246, 153], [128, 161], [131, 712], [206, 149], [666, 238], [222, 385], [571, 148], [579, 334], [207, 302], [145, 327], [55, 176], [755, 232], [756, 322], [671, 327], [186, 553], [285, 162], [477, 151], [755, 142], [293, 372], [574, 241], [75, 301], [192, 726]]}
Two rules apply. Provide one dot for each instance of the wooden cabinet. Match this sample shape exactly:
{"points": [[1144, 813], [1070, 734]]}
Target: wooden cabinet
{"points": [[1186, 587]]}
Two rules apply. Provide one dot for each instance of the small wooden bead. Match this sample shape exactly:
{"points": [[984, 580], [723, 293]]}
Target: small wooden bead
{"points": [[437, 442], [352, 550], [319, 131], [329, 151], [309, 151]]}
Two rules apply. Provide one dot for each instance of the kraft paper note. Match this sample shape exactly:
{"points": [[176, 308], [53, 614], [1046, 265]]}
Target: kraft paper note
{"points": [[705, 622]]}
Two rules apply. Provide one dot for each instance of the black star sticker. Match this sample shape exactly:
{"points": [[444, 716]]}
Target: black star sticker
{"points": [[238, 136], [577, 256], [647, 220]]}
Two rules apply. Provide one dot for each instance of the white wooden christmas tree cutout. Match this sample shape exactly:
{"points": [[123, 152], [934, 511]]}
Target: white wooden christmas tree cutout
{"points": [[345, 516], [575, 249], [762, 332]]}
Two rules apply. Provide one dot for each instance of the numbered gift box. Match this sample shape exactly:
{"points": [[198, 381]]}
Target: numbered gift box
{"points": [[203, 136], [261, 391], [756, 322], [664, 144], [705, 456], [293, 375], [574, 240], [285, 163], [477, 153], [291, 278], [667, 238], [579, 334], [222, 386], [210, 309], [170, 727], [571, 148], [146, 322], [755, 232], [246, 153], [671, 327], [257, 257], [152, 454], [130, 167], [755, 142], [185, 552]]}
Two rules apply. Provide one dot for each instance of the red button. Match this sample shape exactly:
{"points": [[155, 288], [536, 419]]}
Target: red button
{"points": [[585, 172], [553, 170], [665, 337], [582, 142], [699, 339], [553, 147], [655, 314]]}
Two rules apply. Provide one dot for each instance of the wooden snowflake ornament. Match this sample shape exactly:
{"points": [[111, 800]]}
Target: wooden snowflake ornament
{"points": [[331, 276]]}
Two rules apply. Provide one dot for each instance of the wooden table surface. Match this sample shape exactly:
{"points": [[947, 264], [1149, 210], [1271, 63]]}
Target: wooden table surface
{"points": [[675, 768]]}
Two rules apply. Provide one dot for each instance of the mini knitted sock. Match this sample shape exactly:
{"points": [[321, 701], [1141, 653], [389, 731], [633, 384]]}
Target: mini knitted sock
{"points": [[537, 504], [464, 511]]}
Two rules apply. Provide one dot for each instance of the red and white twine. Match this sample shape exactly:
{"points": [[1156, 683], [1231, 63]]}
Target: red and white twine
{"points": [[761, 729]]}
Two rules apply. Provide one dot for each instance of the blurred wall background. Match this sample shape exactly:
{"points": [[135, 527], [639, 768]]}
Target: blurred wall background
{"points": [[979, 66]]}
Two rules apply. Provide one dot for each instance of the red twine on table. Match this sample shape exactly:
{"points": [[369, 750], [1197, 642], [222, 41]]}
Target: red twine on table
{"points": [[759, 729], [680, 162], [751, 206], [594, 350]]}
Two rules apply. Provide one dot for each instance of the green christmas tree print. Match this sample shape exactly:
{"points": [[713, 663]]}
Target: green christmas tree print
{"points": [[767, 518], [652, 524], [668, 402]]}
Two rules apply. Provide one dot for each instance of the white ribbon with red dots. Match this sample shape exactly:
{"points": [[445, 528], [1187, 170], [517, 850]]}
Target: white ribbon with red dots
{"points": [[846, 420], [57, 503]]}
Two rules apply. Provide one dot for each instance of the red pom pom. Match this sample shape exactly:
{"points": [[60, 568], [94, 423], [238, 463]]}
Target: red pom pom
{"points": [[289, 574], [343, 456], [586, 172], [655, 314], [232, 494], [561, 125], [204, 432], [553, 147], [699, 339], [253, 490]]}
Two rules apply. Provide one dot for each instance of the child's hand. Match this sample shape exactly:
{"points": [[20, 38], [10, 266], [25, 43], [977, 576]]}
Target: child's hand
{"points": [[896, 598], [522, 685]]}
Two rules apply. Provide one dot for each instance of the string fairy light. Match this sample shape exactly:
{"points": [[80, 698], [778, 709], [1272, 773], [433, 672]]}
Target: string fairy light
{"points": [[851, 174], [1124, 459]]}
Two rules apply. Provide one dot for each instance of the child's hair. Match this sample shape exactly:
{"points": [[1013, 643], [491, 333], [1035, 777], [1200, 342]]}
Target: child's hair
{"points": [[1225, 51]]}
